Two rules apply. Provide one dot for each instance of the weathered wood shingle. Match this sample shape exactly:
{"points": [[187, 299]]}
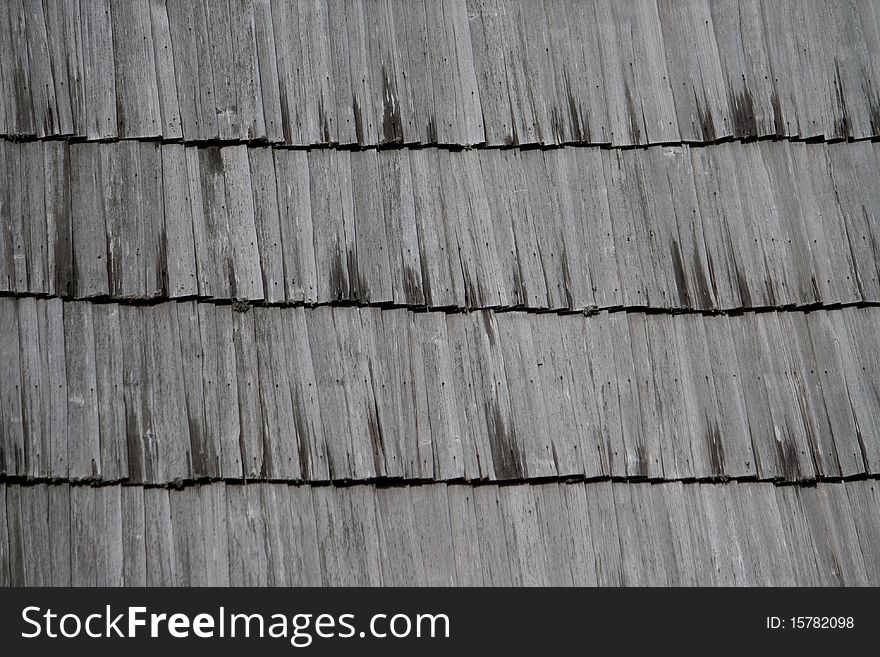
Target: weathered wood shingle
{"points": [[721, 227], [453, 72], [738, 533], [183, 391], [287, 292]]}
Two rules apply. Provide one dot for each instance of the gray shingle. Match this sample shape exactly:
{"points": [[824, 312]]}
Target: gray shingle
{"points": [[210, 221], [575, 548], [65, 56], [858, 368], [838, 403], [110, 385], [83, 537], [190, 46], [89, 252], [267, 223], [525, 543], [724, 227], [603, 527], [138, 112], [798, 539], [453, 72], [59, 536], [215, 523], [808, 391], [401, 233], [180, 247], [742, 49], [610, 446], [700, 399], [34, 513], [16, 230], [295, 218], [136, 382], [549, 533], [248, 547], [498, 568], [246, 278], [199, 390], [283, 446], [197, 310], [638, 459], [166, 71], [863, 497], [464, 532], [371, 239], [161, 566], [35, 412], [134, 547], [719, 205], [83, 422], [99, 71], [666, 368], [733, 416], [694, 65], [759, 518], [204, 445], [838, 553], [433, 530], [220, 380], [824, 225], [188, 535], [859, 212], [446, 430], [109, 567], [252, 427], [650, 447], [401, 556]]}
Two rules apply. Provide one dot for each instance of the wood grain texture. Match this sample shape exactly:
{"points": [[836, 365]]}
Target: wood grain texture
{"points": [[181, 391], [587, 533], [725, 227], [464, 72], [454, 292]]}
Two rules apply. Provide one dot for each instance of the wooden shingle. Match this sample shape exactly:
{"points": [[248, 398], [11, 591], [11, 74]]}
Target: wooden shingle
{"points": [[109, 567], [283, 449], [166, 71], [83, 536], [742, 50], [134, 547], [190, 45], [265, 42], [138, 111], [161, 566], [181, 271], [89, 233], [110, 386], [267, 223], [292, 176], [188, 536], [83, 422]]}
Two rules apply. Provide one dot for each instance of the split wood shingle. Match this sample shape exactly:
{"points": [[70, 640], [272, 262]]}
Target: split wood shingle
{"points": [[723, 227], [188, 390], [270, 534], [253, 250], [467, 72]]}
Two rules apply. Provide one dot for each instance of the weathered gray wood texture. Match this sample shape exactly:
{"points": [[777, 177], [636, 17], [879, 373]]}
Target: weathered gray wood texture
{"points": [[188, 390], [727, 226], [714, 293], [549, 534], [373, 72]]}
